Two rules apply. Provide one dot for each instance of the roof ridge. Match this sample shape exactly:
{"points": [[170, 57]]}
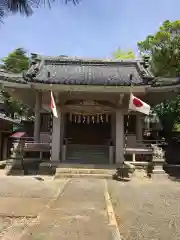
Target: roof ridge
{"points": [[83, 59]]}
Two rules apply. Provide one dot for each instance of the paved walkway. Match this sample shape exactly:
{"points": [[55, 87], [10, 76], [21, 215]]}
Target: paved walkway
{"points": [[78, 213], [25, 196]]}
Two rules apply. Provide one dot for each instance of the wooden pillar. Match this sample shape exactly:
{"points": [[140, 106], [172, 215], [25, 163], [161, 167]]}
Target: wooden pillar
{"points": [[56, 137], [37, 122], [119, 153]]}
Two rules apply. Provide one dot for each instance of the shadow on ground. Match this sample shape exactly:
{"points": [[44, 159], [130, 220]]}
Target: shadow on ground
{"points": [[173, 172], [25, 168]]}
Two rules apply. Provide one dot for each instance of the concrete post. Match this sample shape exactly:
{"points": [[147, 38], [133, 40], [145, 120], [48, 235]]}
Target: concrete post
{"points": [[111, 154], [119, 153], [56, 137], [5, 148], [139, 128], [62, 137], [113, 128], [37, 122], [62, 127]]}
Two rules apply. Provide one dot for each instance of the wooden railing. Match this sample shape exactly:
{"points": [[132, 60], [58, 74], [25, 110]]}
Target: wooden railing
{"points": [[149, 142], [137, 143], [31, 146]]}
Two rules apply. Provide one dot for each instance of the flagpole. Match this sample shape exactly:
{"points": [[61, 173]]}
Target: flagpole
{"points": [[127, 123]]}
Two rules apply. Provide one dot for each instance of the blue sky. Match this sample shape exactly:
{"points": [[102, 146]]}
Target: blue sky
{"points": [[94, 28]]}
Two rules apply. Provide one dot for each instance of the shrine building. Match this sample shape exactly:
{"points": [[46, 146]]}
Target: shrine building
{"points": [[92, 98]]}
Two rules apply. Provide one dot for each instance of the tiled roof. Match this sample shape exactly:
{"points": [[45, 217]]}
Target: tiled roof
{"points": [[11, 77], [4, 117], [1, 98], [64, 70], [159, 82]]}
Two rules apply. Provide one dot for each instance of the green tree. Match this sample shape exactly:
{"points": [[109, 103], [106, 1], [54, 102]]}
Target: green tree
{"points": [[123, 55], [164, 51], [15, 62]]}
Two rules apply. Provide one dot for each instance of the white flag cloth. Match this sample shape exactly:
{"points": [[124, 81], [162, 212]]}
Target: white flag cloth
{"points": [[138, 105], [53, 106]]}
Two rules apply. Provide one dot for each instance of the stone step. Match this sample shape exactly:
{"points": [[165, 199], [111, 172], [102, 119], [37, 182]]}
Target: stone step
{"points": [[84, 171], [87, 153], [71, 175]]}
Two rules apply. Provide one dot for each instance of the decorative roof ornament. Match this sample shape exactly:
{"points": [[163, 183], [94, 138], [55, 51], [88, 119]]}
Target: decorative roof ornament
{"points": [[146, 59]]}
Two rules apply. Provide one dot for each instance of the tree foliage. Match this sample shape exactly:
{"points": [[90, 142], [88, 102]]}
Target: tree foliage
{"points": [[25, 7], [123, 55], [164, 51], [15, 62]]}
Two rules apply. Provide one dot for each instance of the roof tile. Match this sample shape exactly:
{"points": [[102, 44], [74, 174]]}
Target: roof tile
{"points": [[86, 72]]}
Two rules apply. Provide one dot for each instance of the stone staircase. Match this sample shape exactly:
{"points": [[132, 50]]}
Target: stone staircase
{"points": [[85, 171], [87, 154], [90, 161]]}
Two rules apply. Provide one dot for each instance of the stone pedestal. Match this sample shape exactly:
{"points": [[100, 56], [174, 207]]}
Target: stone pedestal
{"points": [[15, 163], [158, 160]]}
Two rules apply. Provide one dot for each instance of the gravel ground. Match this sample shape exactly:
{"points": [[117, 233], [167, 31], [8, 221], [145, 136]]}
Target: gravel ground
{"points": [[147, 210]]}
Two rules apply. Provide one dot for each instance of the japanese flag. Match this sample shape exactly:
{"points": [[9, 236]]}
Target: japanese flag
{"points": [[53, 106], [138, 105]]}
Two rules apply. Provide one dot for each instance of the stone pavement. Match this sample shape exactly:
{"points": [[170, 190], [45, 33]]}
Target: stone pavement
{"points": [[78, 213], [25, 196]]}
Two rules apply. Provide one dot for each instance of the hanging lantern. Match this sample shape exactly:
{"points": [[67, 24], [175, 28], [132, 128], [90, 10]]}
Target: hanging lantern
{"points": [[75, 118], [93, 120], [101, 118], [84, 119]]}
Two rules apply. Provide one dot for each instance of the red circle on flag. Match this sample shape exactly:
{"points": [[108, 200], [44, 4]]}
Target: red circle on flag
{"points": [[137, 102]]}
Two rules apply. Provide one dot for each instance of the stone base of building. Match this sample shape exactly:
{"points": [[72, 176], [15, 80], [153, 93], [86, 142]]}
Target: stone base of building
{"points": [[159, 175], [47, 168]]}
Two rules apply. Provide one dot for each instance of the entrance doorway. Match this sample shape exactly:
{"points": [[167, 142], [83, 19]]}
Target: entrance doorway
{"points": [[88, 132]]}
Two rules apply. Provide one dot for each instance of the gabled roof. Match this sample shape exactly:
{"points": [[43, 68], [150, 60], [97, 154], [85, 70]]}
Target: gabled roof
{"points": [[161, 82], [76, 71], [5, 118], [11, 77], [1, 98]]}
